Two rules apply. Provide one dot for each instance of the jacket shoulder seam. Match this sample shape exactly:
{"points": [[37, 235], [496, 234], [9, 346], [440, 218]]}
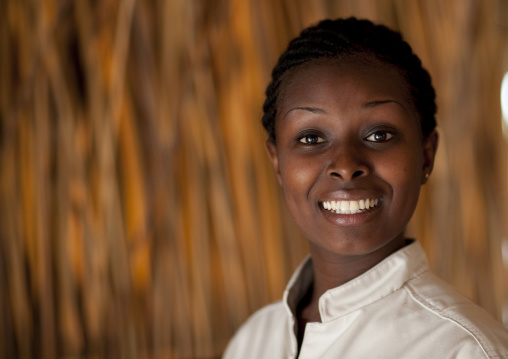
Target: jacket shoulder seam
{"points": [[450, 316]]}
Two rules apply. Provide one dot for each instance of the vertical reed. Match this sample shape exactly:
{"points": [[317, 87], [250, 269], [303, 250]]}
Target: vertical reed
{"points": [[139, 216]]}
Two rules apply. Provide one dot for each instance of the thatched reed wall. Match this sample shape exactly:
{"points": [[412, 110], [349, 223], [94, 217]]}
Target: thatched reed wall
{"points": [[139, 217]]}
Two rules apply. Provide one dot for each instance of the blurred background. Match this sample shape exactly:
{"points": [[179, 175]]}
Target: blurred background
{"points": [[139, 215]]}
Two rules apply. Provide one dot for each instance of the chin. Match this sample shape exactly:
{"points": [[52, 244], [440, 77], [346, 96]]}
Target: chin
{"points": [[355, 246]]}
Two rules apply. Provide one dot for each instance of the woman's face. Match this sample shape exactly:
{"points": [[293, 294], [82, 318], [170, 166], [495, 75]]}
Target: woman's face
{"points": [[349, 154]]}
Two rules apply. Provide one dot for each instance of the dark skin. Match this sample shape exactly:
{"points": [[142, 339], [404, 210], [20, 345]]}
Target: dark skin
{"points": [[347, 132]]}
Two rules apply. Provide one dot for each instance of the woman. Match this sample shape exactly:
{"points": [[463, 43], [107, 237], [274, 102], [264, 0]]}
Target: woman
{"points": [[350, 116]]}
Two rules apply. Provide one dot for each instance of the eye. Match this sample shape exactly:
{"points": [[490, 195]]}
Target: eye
{"points": [[380, 136], [310, 139]]}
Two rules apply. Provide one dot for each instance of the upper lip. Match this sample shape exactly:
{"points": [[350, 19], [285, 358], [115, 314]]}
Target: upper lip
{"points": [[349, 195]]}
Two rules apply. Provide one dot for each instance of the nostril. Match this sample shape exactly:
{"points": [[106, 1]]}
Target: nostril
{"points": [[357, 174], [346, 175]]}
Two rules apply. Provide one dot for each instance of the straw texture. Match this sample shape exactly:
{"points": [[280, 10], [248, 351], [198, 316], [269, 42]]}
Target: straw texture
{"points": [[139, 215]]}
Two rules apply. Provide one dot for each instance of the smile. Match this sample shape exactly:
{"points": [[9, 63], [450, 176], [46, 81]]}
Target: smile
{"points": [[351, 207]]}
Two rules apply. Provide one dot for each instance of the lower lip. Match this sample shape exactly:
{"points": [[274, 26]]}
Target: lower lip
{"points": [[350, 219]]}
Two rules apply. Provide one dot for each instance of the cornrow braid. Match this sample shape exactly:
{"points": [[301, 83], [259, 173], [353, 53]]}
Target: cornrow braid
{"points": [[342, 38]]}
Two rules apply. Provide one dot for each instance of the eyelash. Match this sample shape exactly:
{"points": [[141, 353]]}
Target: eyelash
{"points": [[316, 139], [304, 137], [388, 136]]}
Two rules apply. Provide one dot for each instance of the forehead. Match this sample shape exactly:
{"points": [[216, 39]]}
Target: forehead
{"points": [[361, 79]]}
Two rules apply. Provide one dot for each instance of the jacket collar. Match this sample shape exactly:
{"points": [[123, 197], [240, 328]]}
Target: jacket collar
{"points": [[381, 280]]}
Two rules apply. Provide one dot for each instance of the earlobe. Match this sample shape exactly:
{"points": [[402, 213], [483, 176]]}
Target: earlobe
{"points": [[429, 153], [271, 149]]}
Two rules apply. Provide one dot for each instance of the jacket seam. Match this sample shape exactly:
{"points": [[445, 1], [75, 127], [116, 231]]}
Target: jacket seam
{"points": [[450, 317]]}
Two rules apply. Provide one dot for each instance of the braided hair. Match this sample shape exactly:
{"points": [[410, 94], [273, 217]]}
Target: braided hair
{"points": [[346, 37]]}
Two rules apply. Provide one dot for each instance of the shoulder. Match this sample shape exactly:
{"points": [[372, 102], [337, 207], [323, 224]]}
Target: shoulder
{"points": [[464, 320], [267, 324]]}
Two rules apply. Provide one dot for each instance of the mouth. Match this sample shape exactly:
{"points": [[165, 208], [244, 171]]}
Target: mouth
{"points": [[351, 207]]}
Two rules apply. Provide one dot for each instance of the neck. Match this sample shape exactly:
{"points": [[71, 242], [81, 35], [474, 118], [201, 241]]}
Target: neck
{"points": [[332, 270]]}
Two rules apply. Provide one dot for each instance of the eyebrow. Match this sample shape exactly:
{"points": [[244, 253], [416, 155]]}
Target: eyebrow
{"points": [[381, 102], [367, 105], [309, 109]]}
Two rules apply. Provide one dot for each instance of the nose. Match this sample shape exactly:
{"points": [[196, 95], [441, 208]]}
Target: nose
{"points": [[348, 163]]}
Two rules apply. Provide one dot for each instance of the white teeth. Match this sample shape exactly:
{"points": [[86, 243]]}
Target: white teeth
{"points": [[354, 207], [350, 207], [344, 207]]}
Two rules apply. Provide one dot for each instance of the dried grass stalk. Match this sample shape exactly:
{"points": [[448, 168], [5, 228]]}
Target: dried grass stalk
{"points": [[139, 215]]}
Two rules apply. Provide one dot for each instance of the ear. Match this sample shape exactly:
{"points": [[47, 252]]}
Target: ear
{"points": [[272, 153], [429, 153]]}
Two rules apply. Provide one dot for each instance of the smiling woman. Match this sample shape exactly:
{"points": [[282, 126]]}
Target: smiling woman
{"points": [[350, 118], [352, 103]]}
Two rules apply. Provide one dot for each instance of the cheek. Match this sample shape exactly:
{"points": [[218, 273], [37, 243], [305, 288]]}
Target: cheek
{"points": [[409, 161], [404, 174], [297, 178]]}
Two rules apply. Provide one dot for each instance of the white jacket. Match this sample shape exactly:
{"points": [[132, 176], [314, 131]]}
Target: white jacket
{"points": [[397, 309]]}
